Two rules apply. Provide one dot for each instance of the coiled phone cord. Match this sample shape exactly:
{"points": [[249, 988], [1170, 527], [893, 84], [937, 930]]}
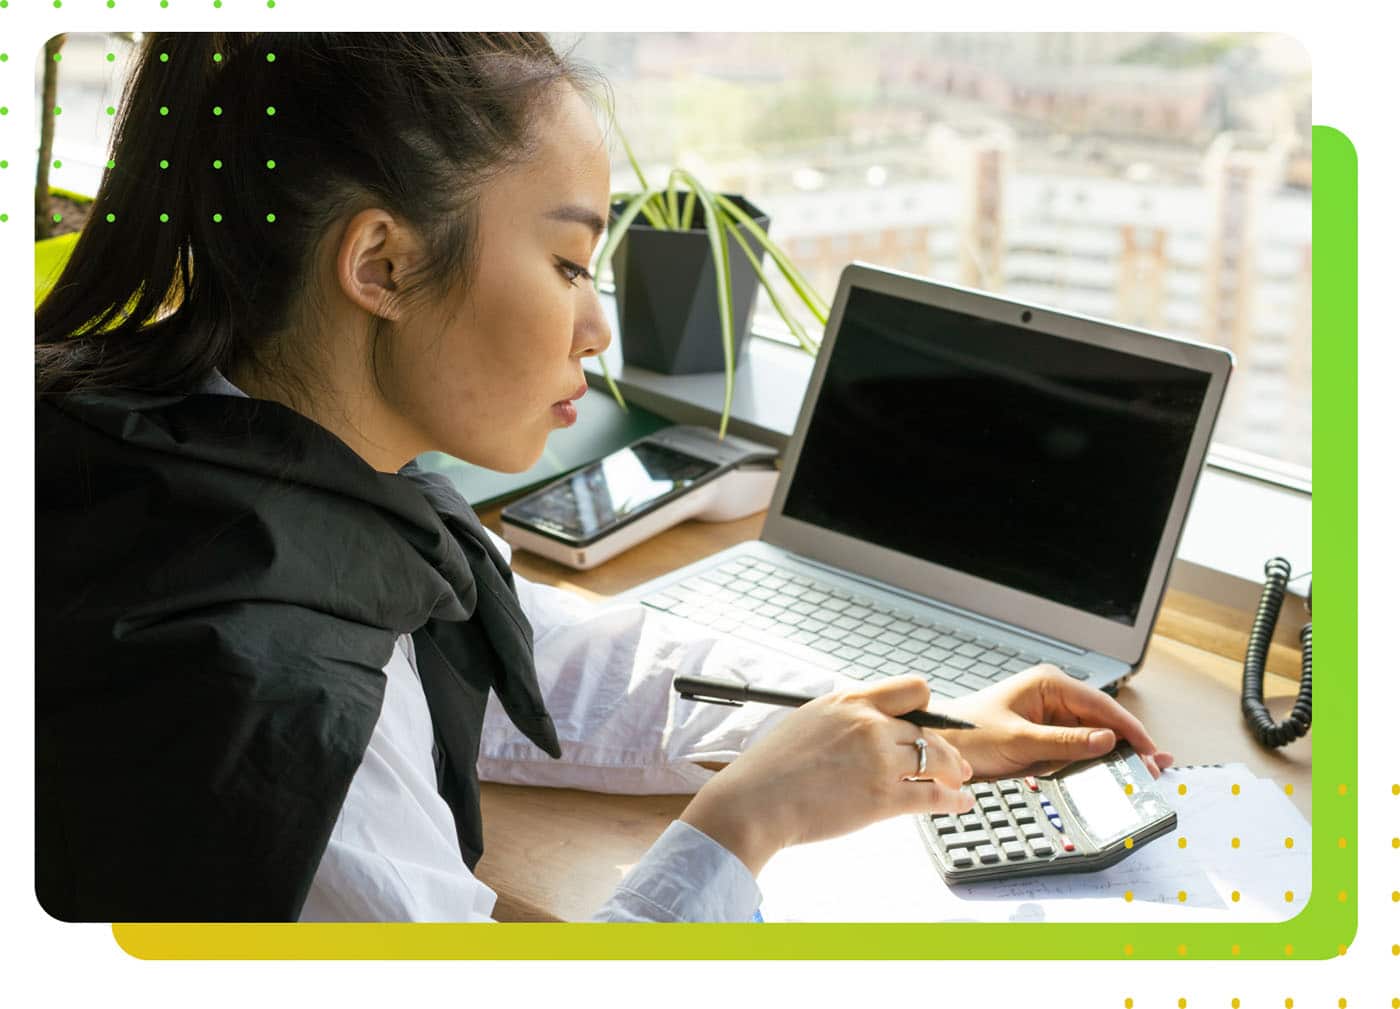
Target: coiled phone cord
{"points": [[1256, 715]]}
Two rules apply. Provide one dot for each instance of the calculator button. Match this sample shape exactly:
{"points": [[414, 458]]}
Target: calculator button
{"points": [[1004, 834], [970, 821], [997, 818], [1057, 823], [945, 824], [1069, 845], [1040, 846], [988, 855], [1024, 816], [989, 802], [1033, 831], [1014, 850], [962, 859], [1016, 801], [969, 840], [1032, 785], [983, 788], [1008, 786]]}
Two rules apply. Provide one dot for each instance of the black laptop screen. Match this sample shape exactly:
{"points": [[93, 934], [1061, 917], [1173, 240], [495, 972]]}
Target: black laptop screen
{"points": [[1037, 462]]}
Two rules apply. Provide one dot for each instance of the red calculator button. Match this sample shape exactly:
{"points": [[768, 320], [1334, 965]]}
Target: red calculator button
{"points": [[1069, 845], [1031, 784]]}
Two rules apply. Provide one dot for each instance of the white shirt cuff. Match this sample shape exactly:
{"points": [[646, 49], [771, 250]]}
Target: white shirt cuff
{"points": [[685, 876]]}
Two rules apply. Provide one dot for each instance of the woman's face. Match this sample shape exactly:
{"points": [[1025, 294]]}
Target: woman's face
{"points": [[480, 378]]}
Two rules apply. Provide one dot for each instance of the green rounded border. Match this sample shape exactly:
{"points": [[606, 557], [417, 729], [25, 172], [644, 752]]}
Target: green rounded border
{"points": [[1320, 931]]}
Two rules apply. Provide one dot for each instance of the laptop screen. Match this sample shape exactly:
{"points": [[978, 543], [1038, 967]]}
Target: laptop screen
{"points": [[1037, 462]]}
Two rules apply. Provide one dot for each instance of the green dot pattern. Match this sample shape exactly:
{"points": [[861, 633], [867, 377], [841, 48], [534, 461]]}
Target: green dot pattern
{"points": [[58, 110], [218, 163], [271, 111], [218, 218], [271, 218], [4, 110], [164, 218], [111, 218], [271, 163], [218, 57], [111, 111], [4, 217], [4, 164], [218, 110], [165, 110], [58, 164], [58, 57], [111, 57], [4, 57], [164, 163], [272, 57], [111, 163], [57, 218], [165, 57]]}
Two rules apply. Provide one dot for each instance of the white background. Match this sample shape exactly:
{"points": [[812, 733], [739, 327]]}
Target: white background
{"points": [[1354, 90]]}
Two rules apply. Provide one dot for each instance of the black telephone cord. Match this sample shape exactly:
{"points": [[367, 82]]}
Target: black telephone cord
{"points": [[1256, 715]]}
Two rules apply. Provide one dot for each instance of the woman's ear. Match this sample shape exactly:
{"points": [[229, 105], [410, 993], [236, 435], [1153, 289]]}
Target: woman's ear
{"points": [[372, 259]]}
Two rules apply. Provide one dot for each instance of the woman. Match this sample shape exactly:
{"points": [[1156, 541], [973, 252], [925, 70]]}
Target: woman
{"points": [[267, 641]]}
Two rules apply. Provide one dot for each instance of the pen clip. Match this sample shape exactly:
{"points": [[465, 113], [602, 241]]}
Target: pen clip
{"points": [[712, 700]]}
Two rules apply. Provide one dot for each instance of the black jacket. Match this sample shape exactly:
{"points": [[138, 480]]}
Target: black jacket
{"points": [[219, 584]]}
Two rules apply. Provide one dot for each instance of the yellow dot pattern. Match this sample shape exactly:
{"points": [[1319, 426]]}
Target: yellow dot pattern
{"points": [[1128, 789], [1128, 896], [1288, 1003], [1287, 789], [1181, 896], [1235, 896], [1180, 789], [1234, 1003], [1128, 842], [1288, 842], [1181, 950], [1234, 789], [1181, 1003], [1127, 1003], [1234, 842], [1288, 896], [1181, 842]]}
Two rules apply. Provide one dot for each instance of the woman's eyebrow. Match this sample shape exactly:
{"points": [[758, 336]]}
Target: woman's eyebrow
{"points": [[578, 215]]}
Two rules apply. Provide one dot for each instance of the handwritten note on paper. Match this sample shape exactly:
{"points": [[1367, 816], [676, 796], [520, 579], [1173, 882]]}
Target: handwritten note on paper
{"points": [[883, 873]]}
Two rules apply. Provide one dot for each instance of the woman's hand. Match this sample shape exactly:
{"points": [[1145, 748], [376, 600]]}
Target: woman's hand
{"points": [[1040, 720], [835, 764]]}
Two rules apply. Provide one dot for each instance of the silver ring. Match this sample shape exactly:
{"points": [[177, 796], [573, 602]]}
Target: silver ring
{"points": [[923, 755]]}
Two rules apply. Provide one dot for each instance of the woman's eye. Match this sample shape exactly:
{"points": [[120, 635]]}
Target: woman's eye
{"points": [[573, 272]]}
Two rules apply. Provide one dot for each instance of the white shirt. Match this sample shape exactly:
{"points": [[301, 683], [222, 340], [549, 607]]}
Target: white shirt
{"points": [[605, 673]]}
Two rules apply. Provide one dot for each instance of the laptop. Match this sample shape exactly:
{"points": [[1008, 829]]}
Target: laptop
{"points": [[974, 485]]}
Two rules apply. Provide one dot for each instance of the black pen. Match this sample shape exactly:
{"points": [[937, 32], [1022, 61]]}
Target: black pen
{"points": [[698, 688]]}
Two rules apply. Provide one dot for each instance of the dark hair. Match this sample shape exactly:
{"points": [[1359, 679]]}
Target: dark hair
{"points": [[411, 122]]}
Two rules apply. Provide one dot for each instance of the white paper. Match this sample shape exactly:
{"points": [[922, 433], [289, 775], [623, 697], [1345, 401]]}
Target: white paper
{"points": [[884, 872]]}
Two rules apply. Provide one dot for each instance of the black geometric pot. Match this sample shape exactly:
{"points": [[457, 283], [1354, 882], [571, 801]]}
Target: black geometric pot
{"points": [[666, 303]]}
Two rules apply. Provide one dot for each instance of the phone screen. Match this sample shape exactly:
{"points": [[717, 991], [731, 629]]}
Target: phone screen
{"points": [[612, 490]]}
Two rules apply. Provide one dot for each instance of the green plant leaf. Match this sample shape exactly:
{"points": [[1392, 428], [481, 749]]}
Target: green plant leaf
{"points": [[814, 302], [617, 229], [792, 324], [688, 213], [632, 158], [715, 223], [607, 375]]}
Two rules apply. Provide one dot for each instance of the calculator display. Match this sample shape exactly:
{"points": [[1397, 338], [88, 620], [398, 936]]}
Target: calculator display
{"points": [[1098, 798], [607, 493]]}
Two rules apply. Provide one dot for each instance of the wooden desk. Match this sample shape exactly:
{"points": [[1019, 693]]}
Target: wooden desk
{"points": [[556, 854]]}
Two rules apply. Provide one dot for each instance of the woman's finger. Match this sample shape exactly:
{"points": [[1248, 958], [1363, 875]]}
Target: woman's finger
{"points": [[1095, 708], [898, 694], [933, 797]]}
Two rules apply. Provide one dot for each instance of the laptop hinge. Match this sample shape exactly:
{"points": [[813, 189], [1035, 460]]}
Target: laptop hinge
{"points": [[926, 601]]}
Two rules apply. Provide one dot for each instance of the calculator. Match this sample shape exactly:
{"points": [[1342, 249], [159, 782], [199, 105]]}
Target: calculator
{"points": [[1083, 818]]}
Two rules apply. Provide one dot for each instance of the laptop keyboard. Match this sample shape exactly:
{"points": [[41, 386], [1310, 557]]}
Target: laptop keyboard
{"points": [[840, 630]]}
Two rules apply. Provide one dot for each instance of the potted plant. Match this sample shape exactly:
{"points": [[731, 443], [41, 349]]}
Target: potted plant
{"points": [[690, 238]]}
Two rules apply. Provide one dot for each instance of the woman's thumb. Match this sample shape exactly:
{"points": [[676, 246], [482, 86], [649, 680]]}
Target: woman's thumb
{"points": [[1077, 743]]}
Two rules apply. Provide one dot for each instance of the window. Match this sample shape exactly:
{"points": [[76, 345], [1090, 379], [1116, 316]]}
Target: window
{"points": [[1041, 148]]}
